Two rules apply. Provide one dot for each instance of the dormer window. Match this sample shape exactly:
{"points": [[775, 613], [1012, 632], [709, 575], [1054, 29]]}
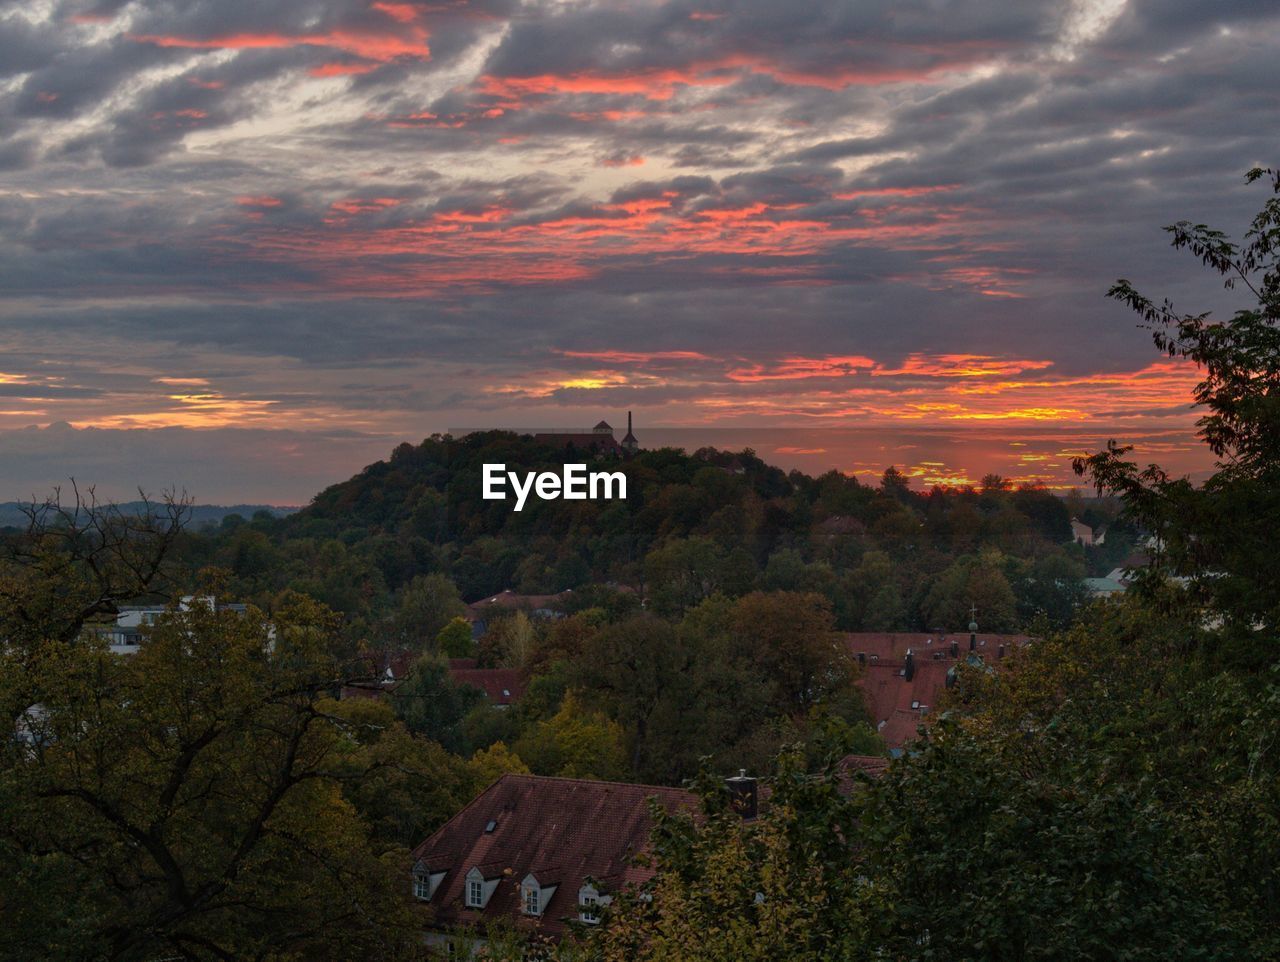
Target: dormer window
{"points": [[534, 896], [589, 903], [421, 885], [477, 889], [425, 882]]}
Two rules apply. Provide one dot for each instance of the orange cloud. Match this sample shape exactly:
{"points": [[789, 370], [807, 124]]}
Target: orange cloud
{"points": [[893, 192], [800, 368], [637, 357], [657, 83], [403, 12], [370, 45], [961, 365], [355, 205]]}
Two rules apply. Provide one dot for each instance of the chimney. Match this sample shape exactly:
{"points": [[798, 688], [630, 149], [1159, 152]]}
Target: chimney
{"points": [[743, 795], [909, 669]]}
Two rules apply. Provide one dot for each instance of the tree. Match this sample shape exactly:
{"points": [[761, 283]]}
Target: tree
{"points": [[433, 705], [454, 639], [790, 637], [76, 561], [427, 604], [782, 887], [895, 484], [682, 573], [966, 584], [1212, 534], [634, 668], [575, 743], [403, 785], [187, 801]]}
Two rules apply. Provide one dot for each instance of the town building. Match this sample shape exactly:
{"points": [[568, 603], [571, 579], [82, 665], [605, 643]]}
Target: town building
{"points": [[541, 854], [599, 440], [128, 632], [545, 855], [629, 443], [539, 607], [903, 675], [1081, 533], [502, 686]]}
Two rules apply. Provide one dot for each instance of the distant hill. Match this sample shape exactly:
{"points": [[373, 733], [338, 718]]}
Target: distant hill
{"points": [[202, 515]]}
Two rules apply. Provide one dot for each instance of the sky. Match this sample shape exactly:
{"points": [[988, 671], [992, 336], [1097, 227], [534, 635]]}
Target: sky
{"points": [[246, 247]]}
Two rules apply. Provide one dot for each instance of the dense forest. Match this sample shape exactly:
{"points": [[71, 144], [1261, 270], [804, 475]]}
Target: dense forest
{"points": [[699, 615], [711, 522]]}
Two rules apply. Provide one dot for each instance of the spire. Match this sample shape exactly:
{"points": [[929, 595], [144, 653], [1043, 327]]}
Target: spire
{"points": [[629, 443]]}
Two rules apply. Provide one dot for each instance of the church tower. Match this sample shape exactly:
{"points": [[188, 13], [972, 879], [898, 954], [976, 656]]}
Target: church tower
{"points": [[629, 443]]}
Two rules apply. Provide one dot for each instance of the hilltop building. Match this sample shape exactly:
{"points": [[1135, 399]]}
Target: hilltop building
{"points": [[629, 442], [598, 440]]}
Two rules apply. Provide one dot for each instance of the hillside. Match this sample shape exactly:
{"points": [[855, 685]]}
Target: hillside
{"points": [[693, 525]]}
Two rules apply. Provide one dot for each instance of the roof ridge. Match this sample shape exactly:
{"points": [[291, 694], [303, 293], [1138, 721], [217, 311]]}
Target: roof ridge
{"points": [[595, 781], [541, 778]]}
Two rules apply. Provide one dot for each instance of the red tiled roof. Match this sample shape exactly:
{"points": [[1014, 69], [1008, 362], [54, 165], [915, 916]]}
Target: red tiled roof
{"points": [[561, 830], [898, 706], [893, 645], [889, 696], [873, 765], [503, 686], [509, 599], [383, 672]]}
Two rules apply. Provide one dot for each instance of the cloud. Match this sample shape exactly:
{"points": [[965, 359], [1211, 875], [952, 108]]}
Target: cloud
{"points": [[397, 215]]}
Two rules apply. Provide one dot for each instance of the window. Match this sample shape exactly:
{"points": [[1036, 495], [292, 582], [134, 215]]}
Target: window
{"points": [[532, 900], [421, 885], [475, 894], [589, 908]]}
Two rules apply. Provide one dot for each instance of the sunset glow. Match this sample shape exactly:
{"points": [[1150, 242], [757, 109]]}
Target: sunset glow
{"points": [[375, 219]]}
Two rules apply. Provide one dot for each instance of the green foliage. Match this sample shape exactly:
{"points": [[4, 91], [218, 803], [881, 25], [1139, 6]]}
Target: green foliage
{"points": [[1115, 794], [188, 800], [427, 605], [1216, 534], [575, 743], [454, 639], [433, 705]]}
